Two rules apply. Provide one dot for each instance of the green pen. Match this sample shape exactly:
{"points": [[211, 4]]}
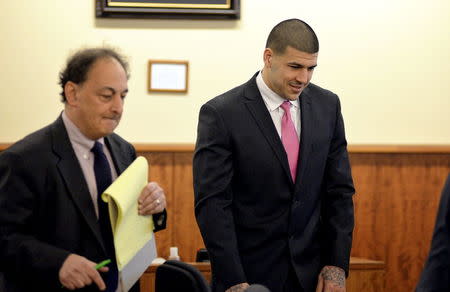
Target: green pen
{"points": [[102, 264], [98, 266]]}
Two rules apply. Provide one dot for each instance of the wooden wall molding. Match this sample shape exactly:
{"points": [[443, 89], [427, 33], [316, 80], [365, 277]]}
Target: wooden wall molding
{"points": [[147, 147], [175, 148], [405, 149], [354, 148]]}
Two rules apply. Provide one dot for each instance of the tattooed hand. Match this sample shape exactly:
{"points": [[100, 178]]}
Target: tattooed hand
{"points": [[238, 288], [331, 279]]}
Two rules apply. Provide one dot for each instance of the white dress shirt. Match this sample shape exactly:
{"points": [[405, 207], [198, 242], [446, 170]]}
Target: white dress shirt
{"points": [[273, 103]]}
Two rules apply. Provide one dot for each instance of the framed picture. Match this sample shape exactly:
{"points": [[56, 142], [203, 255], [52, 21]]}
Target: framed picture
{"points": [[188, 9], [168, 76]]}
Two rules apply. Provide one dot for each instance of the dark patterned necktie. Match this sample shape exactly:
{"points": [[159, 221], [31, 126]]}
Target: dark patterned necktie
{"points": [[103, 179]]}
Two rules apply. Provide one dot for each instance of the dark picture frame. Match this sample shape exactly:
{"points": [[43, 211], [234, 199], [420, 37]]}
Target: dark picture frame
{"points": [[182, 9]]}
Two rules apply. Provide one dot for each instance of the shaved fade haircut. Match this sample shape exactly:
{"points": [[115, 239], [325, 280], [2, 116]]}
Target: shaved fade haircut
{"points": [[293, 33]]}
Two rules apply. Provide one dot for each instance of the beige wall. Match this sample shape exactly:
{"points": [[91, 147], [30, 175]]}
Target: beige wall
{"points": [[389, 60]]}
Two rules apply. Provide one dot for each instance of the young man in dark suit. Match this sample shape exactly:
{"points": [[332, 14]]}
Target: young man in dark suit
{"points": [[51, 231], [436, 272], [272, 180]]}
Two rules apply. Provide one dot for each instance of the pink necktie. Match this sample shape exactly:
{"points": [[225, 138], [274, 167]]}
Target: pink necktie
{"points": [[289, 138]]}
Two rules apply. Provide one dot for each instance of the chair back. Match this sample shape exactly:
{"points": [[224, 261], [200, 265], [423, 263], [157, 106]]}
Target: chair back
{"points": [[173, 276]]}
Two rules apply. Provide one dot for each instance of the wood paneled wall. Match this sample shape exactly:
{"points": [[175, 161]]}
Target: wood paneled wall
{"points": [[398, 190], [395, 210]]}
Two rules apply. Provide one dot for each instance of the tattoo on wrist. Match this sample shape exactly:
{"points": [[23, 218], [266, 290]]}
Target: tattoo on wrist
{"points": [[238, 288], [335, 275]]}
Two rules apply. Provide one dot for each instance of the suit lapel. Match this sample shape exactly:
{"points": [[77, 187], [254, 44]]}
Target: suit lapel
{"points": [[73, 177], [260, 114], [307, 125]]}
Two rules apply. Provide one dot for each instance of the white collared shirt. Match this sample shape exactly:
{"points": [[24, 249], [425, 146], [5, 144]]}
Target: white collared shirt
{"points": [[82, 147], [273, 103]]}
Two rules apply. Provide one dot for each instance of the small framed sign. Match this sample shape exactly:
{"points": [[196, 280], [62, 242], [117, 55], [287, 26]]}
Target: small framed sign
{"points": [[168, 76]]}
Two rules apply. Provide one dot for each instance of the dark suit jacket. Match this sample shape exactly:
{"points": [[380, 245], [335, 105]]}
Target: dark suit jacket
{"points": [[436, 273], [254, 220], [46, 211]]}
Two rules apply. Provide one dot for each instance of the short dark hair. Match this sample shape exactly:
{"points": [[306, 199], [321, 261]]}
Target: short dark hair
{"points": [[294, 33], [79, 64]]}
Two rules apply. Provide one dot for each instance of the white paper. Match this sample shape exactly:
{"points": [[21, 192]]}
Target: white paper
{"points": [[138, 265]]}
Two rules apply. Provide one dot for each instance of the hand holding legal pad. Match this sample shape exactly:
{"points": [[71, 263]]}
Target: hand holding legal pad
{"points": [[133, 234]]}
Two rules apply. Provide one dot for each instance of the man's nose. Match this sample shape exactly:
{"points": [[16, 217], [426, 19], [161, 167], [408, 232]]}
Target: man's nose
{"points": [[117, 104], [302, 76]]}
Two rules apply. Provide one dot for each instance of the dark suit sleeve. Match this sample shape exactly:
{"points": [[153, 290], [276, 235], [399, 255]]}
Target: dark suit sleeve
{"points": [[159, 221], [213, 172], [436, 273], [337, 205], [21, 254]]}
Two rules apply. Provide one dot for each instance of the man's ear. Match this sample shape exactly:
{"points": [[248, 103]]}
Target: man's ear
{"points": [[267, 56], [70, 91]]}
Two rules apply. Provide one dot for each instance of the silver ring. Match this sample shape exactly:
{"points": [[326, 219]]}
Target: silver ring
{"points": [[158, 201]]}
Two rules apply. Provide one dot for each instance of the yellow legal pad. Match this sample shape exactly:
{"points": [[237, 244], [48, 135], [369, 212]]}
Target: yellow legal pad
{"points": [[131, 231]]}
